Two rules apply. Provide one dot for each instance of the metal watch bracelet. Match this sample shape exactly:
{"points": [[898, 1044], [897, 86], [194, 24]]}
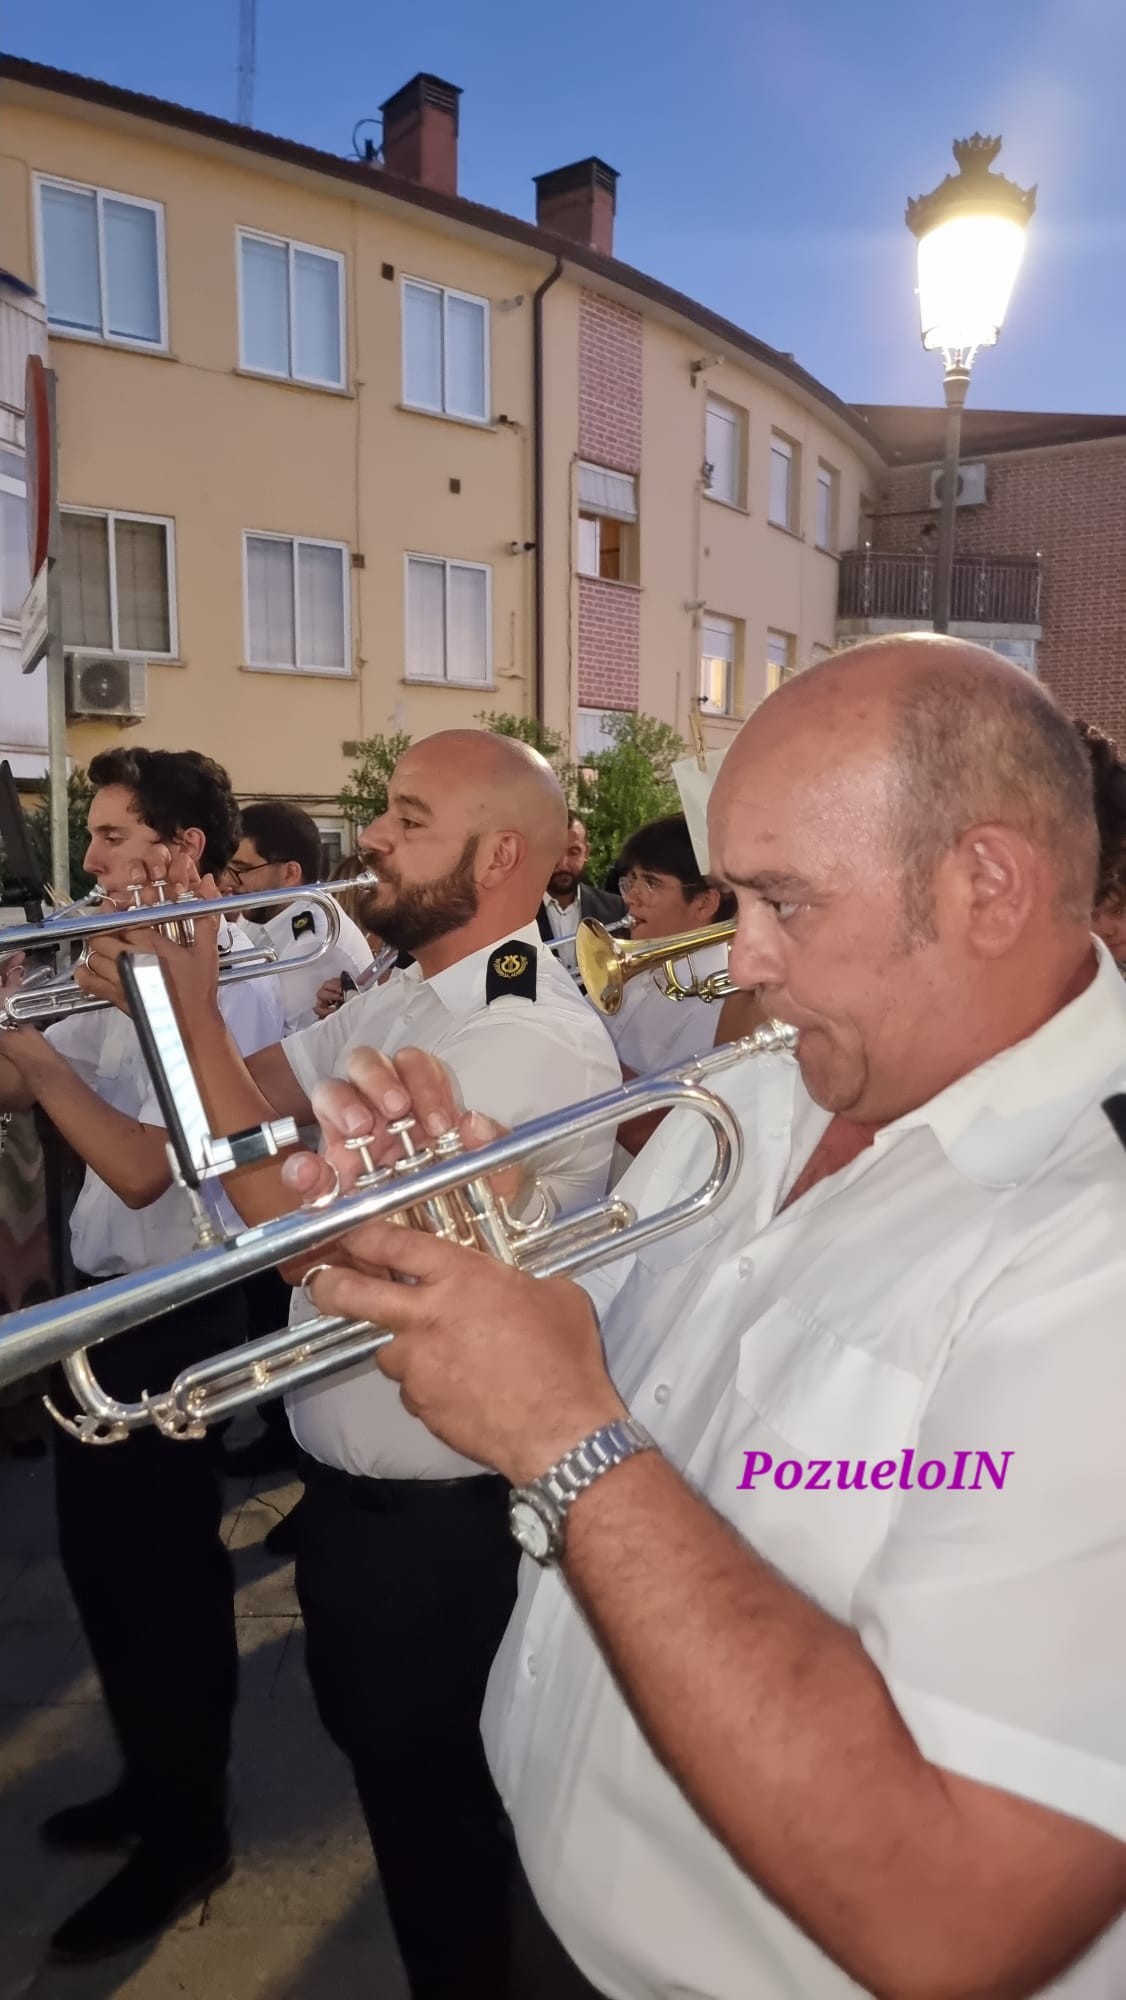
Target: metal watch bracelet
{"points": [[538, 1511]]}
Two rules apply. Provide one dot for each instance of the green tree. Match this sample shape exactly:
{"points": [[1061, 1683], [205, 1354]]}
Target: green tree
{"points": [[364, 797], [79, 792], [619, 789]]}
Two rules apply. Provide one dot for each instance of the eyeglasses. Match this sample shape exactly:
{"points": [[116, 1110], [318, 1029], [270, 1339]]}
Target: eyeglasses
{"points": [[643, 887], [238, 871]]}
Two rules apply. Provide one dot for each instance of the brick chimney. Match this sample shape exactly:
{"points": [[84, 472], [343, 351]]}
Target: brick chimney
{"points": [[420, 133], [579, 202]]}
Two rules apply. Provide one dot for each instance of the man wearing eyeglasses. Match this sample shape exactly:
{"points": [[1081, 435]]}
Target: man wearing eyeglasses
{"points": [[569, 900], [280, 849]]}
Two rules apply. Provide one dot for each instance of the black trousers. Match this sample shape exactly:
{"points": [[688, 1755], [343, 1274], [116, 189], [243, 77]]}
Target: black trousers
{"points": [[139, 1539], [406, 1588]]}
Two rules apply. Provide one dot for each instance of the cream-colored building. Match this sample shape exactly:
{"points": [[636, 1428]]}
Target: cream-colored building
{"points": [[343, 452]]}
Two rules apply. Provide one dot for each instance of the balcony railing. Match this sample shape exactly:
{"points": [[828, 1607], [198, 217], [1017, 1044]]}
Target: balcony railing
{"points": [[987, 590]]}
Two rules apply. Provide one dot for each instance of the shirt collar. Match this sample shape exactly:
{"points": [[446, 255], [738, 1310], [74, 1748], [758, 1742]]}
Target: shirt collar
{"points": [[461, 986], [999, 1123]]}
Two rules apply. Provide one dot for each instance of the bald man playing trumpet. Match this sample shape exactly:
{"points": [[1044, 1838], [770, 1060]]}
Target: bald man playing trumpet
{"points": [[796, 1699]]}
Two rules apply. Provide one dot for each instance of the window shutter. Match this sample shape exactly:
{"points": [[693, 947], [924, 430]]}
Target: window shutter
{"points": [[613, 494]]}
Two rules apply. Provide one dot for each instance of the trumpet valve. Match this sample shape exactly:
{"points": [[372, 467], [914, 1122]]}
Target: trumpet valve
{"points": [[369, 1173]]}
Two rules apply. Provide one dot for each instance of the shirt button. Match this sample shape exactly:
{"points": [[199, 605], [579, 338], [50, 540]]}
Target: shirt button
{"points": [[661, 1393], [746, 1267], [531, 1666]]}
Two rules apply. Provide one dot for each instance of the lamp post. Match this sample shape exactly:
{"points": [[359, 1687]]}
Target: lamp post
{"points": [[970, 233]]}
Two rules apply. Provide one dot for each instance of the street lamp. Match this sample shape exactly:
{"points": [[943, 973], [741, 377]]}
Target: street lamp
{"points": [[970, 233]]}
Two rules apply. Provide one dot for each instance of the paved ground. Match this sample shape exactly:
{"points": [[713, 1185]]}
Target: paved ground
{"points": [[302, 1918]]}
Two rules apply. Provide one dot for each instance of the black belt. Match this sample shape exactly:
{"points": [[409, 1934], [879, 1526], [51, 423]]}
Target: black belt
{"points": [[390, 1496]]}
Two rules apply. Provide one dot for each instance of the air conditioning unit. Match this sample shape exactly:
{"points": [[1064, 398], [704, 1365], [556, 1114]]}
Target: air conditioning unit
{"points": [[971, 486], [106, 684]]}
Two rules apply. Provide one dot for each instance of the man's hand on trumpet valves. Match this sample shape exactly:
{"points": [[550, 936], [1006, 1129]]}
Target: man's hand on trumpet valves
{"points": [[504, 1367], [192, 969]]}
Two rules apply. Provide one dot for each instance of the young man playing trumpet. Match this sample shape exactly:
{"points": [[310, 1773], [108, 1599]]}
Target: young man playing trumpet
{"points": [[138, 1522], [406, 1573]]}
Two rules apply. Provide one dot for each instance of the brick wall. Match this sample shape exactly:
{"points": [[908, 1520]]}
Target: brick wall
{"points": [[609, 644], [609, 384], [610, 339], [1069, 503]]}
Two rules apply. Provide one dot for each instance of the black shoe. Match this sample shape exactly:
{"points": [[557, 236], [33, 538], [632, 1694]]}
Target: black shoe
{"points": [[98, 1826], [283, 1536], [273, 1451], [137, 1903]]}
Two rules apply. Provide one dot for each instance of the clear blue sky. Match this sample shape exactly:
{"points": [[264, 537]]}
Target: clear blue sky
{"points": [[766, 147]]}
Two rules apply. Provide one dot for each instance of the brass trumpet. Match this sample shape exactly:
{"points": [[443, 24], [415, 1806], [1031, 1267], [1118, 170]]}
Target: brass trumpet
{"points": [[606, 963], [440, 1189], [40, 1001]]}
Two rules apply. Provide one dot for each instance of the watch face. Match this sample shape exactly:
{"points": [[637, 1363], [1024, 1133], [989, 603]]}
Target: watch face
{"points": [[530, 1529]]}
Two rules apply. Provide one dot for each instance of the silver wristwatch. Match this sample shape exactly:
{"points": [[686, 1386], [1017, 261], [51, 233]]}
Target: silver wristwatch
{"points": [[537, 1513]]}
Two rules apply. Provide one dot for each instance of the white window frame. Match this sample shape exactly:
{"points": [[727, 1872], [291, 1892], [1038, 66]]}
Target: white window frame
{"points": [[717, 619], [291, 244], [446, 293], [828, 481], [17, 490], [104, 338], [296, 542], [585, 721], [448, 563], [729, 413], [111, 516], [786, 448]]}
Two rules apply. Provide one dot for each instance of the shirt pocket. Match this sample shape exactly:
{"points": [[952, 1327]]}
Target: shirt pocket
{"points": [[827, 1412]]}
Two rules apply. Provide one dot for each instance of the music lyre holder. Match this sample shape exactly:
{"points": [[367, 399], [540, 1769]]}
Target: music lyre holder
{"points": [[194, 1154]]}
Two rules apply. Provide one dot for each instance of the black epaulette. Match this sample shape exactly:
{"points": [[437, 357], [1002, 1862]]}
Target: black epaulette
{"points": [[303, 923], [1115, 1108], [512, 970]]}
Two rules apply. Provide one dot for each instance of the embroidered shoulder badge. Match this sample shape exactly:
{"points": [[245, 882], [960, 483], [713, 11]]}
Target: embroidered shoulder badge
{"points": [[303, 923], [512, 970]]}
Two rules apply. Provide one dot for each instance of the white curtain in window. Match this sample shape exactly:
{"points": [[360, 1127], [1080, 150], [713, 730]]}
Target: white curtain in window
{"points": [[70, 252], [422, 347], [132, 273], [426, 620], [86, 600], [465, 358], [269, 587], [468, 627], [141, 558], [722, 453], [316, 316], [320, 584], [265, 305], [781, 468]]}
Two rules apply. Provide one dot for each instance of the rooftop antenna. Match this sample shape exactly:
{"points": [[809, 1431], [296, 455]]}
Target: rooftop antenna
{"points": [[248, 10]]}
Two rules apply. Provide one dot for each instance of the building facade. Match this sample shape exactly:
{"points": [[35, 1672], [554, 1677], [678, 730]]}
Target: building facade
{"points": [[1040, 546], [342, 452]]}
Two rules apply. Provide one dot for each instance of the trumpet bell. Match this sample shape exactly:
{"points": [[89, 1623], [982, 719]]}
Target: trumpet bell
{"points": [[606, 963]]}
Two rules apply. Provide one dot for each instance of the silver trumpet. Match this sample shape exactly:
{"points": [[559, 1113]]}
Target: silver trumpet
{"points": [[441, 1189], [42, 999]]}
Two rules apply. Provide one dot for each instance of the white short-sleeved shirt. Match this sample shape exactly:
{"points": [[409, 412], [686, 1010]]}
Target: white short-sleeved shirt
{"points": [[101, 1046], [652, 1032], [959, 1286], [294, 933], [514, 1059]]}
